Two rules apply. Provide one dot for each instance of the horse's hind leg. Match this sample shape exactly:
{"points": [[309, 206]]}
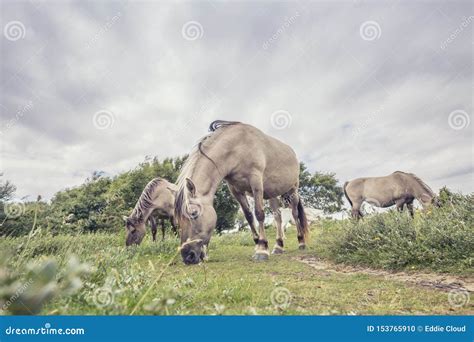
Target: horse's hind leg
{"points": [[293, 199], [275, 205], [356, 213]]}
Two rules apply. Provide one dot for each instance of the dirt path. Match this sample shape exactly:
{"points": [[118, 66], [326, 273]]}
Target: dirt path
{"points": [[431, 280]]}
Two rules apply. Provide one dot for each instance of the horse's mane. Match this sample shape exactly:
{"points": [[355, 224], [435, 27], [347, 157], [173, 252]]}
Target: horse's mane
{"points": [[220, 123], [182, 193], [419, 181], [145, 201]]}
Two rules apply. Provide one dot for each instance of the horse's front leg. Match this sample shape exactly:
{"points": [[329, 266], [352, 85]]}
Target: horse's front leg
{"points": [[153, 227], [261, 251], [275, 205], [410, 209], [244, 204], [399, 204], [163, 229]]}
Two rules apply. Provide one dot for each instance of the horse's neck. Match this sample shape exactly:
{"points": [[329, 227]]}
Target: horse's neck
{"points": [[207, 177], [143, 214], [421, 194], [143, 217]]}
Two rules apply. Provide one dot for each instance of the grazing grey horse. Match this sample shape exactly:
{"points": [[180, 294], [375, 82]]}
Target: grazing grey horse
{"points": [[158, 195], [251, 162], [399, 188]]}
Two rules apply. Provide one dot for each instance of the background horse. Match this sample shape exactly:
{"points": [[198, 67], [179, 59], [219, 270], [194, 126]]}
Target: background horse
{"points": [[399, 188], [158, 195], [250, 162]]}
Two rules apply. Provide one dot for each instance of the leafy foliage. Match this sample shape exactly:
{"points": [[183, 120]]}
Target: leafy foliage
{"points": [[320, 190], [25, 292], [440, 238], [100, 203], [7, 189]]}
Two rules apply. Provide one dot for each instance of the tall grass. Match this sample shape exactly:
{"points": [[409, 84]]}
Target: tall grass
{"points": [[440, 239]]}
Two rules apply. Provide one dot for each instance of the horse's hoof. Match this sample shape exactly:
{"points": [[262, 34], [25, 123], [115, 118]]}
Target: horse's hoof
{"points": [[278, 250], [260, 257], [302, 247]]}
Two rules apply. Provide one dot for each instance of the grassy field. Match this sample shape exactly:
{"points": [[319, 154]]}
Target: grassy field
{"points": [[151, 279]]}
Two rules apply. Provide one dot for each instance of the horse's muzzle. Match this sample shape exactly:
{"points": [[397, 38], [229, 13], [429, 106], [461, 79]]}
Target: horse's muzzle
{"points": [[192, 257]]}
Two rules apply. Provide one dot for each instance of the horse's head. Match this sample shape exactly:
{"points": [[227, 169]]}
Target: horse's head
{"points": [[436, 201], [428, 200], [197, 220], [135, 231]]}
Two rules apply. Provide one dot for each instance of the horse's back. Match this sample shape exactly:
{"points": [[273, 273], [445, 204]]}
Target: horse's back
{"points": [[254, 150]]}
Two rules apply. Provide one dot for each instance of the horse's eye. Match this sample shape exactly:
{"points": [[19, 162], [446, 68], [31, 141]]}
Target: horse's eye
{"points": [[194, 211]]}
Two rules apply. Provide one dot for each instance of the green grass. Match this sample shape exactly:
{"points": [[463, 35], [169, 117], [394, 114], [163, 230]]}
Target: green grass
{"points": [[440, 240], [229, 283]]}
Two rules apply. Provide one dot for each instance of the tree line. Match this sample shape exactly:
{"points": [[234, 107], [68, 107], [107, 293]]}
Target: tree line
{"points": [[100, 202]]}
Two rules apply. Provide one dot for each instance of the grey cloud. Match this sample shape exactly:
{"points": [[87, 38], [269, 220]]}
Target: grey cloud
{"points": [[358, 107]]}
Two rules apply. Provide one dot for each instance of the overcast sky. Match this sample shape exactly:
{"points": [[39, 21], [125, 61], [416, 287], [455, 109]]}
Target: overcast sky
{"points": [[359, 88]]}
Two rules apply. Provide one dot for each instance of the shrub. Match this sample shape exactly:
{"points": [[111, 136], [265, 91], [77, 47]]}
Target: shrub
{"points": [[439, 238]]}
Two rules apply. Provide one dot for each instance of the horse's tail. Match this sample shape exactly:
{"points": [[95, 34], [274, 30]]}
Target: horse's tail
{"points": [[345, 193], [303, 220]]}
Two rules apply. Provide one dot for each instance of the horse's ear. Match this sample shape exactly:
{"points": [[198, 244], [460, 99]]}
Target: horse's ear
{"points": [[191, 187]]}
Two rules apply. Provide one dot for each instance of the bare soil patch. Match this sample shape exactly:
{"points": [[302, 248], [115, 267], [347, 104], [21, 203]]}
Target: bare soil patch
{"points": [[443, 282]]}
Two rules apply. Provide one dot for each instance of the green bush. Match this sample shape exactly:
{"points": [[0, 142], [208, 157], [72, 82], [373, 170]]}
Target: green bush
{"points": [[439, 238]]}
